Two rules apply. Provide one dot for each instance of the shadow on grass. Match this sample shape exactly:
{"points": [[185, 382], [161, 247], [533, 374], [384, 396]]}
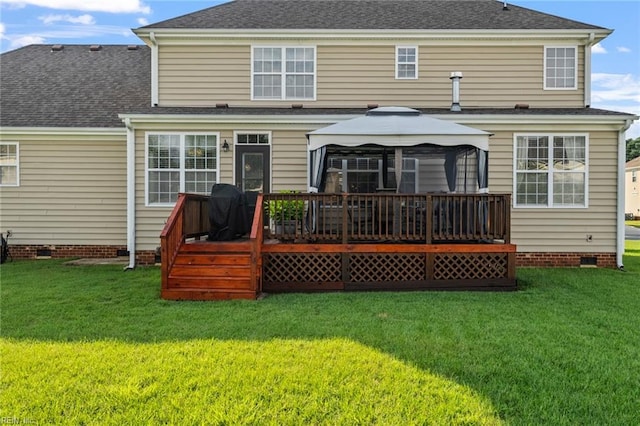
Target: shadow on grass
{"points": [[523, 350]]}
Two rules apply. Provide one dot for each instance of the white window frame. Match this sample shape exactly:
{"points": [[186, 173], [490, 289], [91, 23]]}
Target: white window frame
{"points": [[283, 73], [414, 63], [550, 172], [182, 169], [237, 133], [575, 68], [16, 165]]}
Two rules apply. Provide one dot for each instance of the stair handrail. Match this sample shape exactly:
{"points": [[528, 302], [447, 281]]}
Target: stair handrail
{"points": [[256, 237], [171, 238]]}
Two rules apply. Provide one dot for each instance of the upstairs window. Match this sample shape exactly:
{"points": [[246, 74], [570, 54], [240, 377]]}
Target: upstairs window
{"points": [[180, 163], [285, 73], [551, 171], [9, 164], [561, 68], [406, 62]]}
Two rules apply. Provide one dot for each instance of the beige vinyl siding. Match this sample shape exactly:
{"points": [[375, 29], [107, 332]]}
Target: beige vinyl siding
{"points": [[150, 219], [72, 191], [561, 229], [204, 75], [356, 75], [289, 161], [533, 230], [288, 169]]}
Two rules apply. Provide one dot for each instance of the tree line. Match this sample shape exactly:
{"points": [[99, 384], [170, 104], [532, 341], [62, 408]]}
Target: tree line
{"points": [[633, 148]]}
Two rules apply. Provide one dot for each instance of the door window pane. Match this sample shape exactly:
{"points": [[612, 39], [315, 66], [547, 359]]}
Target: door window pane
{"points": [[253, 172]]}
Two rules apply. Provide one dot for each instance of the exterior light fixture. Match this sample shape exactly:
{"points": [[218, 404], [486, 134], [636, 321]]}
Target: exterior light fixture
{"points": [[225, 146]]}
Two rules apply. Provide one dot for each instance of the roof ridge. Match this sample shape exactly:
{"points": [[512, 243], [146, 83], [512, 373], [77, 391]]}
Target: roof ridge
{"points": [[370, 15]]}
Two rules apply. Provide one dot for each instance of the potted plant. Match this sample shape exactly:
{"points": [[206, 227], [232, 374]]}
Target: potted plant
{"points": [[286, 214]]}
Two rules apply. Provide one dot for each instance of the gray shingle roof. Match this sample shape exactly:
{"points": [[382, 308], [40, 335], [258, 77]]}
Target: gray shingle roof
{"points": [[74, 87], [258, 111], [369, 14]]}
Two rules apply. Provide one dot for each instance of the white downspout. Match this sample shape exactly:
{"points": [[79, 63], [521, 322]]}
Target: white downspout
{"points": [[587, 70], [622, 153], [131, 193], [154, 69]]}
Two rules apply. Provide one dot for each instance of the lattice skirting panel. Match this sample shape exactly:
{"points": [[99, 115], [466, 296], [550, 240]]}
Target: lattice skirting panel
{"points": [[301, 271], [470, 266], [387, 267]]}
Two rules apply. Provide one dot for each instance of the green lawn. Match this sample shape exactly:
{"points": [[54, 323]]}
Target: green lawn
{"points": [[96, 345], [635, 223]]}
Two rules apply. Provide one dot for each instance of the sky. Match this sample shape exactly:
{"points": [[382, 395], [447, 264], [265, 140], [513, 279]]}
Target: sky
{"points": [[615, 61]]}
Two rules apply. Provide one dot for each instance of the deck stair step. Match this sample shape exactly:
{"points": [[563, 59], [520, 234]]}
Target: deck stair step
{"points": [[209, 271]]}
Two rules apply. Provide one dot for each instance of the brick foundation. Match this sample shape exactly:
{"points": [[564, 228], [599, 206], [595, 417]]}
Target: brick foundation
{"points": [[148, 257], [604, 260], [63, 251]]}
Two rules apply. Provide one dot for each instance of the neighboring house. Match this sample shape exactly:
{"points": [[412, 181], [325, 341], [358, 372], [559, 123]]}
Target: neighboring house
{"points": [[97, 142], [632, 188]]}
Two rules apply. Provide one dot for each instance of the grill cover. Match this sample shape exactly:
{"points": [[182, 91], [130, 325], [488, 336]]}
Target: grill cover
{"points": [[228, 213]]}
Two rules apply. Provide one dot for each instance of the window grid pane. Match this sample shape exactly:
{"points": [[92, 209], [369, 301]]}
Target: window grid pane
{"points": [[406, 62], [297, 74], [299, 79], [252, 139], [173, 156], [560, 68], [564, 164], [8, 164]]}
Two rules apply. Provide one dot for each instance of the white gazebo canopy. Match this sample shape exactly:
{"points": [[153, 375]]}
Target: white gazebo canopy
{"points": [[397, 127]]}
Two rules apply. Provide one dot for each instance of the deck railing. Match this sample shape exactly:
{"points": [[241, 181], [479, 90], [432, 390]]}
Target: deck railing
{"points": [[190, 220], [423, 218]]}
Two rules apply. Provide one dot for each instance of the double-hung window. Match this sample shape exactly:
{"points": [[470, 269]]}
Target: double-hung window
{"points": [[560, 68], [286, 73], [9, 174], [551, 171], [180, 163], [406, 62]]}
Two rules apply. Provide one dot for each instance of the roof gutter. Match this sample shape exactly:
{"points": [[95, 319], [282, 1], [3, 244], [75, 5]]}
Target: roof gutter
{"points": [[131, 193], [194, 34], [622, 151], [587, 69], [154, 69]]}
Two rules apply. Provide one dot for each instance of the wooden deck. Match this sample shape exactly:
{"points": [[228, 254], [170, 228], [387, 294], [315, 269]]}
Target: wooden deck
{"points": [[343, 243]]}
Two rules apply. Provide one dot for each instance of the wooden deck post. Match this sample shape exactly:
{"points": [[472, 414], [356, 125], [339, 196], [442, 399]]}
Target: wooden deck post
{"points": [[429, 219], [345, 219]]}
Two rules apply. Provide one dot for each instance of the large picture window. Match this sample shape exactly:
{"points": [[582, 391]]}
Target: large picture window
{"points": [[180, 163], [287, 73], [561, 68], [551, 171], [9, 164]]}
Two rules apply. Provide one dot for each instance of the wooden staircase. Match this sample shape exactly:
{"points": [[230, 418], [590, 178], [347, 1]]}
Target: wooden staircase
{"points": [[194, 269], [213, 271]]}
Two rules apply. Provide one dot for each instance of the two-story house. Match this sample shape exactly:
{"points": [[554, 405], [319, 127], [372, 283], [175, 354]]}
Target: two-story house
{"points": [[98, 141]]}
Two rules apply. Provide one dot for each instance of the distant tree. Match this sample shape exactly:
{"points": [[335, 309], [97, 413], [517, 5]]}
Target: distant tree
{"points": [[633, 148]]}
